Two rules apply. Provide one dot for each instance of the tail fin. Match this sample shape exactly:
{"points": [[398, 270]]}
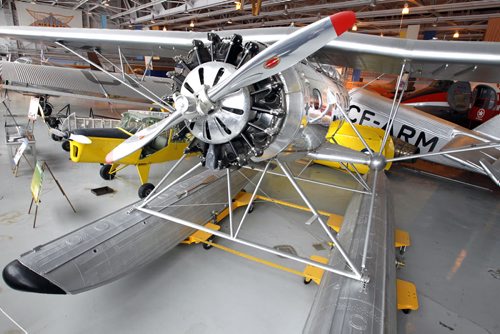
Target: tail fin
{"points": [[491, 128]]}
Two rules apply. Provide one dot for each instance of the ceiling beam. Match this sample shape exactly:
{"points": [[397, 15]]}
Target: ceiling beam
{"points": [[330, 6], [395, 22]]}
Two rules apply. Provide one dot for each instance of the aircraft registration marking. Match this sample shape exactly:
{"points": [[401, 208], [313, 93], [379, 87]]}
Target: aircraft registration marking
{"points": [[424, 141]]}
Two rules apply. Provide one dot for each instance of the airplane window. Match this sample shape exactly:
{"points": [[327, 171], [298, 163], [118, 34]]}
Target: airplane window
{"points": [[485, 97]]}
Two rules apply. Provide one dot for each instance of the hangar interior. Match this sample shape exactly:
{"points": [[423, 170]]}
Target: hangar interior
{"points": [[422, 234]]}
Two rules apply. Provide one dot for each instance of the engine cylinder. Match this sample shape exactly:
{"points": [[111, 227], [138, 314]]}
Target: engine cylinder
{"points": [[288, 112]]}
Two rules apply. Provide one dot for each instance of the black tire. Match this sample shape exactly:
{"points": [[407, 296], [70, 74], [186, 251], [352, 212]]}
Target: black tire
{"points": [[145, 190], [406, 310], [65, 145], [207, 246], [56, 138], [251, 208], [104, 172], [52, 122], [47, 111], [307, 281]]}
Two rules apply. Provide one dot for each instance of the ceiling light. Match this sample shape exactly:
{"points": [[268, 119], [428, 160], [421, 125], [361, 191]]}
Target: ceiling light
{"points": [[229, 21], [381, 34], [406, 10], [153, 21], [354, 27], [292, 24], [434, 38], [191, 24], [164, 28], [237, 5], [456, 34]]}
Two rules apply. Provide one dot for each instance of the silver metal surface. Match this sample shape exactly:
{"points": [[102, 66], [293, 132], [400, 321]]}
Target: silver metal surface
{"points": [[448, 151], [396, 101], [121, 242], [280, 56], [229, 116], [337, 153], [427, 132], [348, 306], [367, 52], [338, 246], [58, 80], [146, 96]]}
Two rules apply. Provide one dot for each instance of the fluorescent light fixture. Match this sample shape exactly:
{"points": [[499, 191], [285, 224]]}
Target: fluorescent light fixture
{"points": [[456, 34], [191, 24], [355, 27], [237, 5], [406, 10]]}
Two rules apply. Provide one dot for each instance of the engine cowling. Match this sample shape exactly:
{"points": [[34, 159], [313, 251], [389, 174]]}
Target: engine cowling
{"points": [[289, 112]]}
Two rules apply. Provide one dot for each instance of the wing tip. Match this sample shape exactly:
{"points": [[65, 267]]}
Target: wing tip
{"points": [[343, 21]]}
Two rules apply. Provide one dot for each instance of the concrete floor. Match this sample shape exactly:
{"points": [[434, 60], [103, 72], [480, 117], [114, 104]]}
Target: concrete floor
{"points": [[453, 259]]}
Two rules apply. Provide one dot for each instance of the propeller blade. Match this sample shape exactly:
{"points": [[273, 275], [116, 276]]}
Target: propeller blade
{"points": [[80, 139], [285, 53], [143, 137]]}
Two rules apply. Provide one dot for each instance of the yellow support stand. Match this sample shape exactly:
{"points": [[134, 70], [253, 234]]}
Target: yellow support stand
{"points": [[312, 273], [407, 296], [201, 236], [406, 291], [401, 238]]}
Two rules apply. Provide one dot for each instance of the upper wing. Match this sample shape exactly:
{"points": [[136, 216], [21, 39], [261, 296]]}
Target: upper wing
{"points": [[469, 61]]}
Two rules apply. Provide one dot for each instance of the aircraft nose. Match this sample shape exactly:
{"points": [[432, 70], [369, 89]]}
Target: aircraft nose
{"points": [[20, 277]]}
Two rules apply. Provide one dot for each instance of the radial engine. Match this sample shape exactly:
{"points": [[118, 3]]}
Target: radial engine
{"points": [[286, 113]]}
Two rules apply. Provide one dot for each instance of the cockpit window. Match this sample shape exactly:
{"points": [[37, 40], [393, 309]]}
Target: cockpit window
{"points": [[485, 97]]}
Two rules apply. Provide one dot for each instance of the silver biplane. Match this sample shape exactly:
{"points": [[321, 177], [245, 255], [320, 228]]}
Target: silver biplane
{"points": [[256, 106]]}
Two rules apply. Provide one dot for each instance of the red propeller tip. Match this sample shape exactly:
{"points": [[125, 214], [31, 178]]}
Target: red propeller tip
{"points": [[343, 21]]}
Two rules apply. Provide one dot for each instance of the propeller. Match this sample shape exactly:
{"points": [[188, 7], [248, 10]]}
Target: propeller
{"points": [[285, 53], [78, 138], [274, 59]]}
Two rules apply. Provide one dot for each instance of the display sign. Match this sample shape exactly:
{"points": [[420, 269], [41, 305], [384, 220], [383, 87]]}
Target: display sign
{"points": [[33, 109], [20, 151], [37, 180], [30, 14]]}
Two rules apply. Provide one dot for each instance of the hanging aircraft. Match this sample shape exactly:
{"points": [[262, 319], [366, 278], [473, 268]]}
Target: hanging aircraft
{"points": [[43, 80], [247, 105]]}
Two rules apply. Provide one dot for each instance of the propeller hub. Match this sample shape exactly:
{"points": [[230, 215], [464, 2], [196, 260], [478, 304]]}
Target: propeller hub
{"points": [[217, 122]]}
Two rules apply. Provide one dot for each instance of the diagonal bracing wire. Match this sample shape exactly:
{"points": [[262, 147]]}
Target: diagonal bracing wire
{"points": [[158, 102]]}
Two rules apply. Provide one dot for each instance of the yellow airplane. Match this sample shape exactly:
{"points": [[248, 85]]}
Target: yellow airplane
{"points": [[343, 134], [166, 147]]}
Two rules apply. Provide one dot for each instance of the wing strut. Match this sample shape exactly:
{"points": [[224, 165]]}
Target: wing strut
{"points": [[158, 102], [395, 106], [235, 227], [128, 76]]}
